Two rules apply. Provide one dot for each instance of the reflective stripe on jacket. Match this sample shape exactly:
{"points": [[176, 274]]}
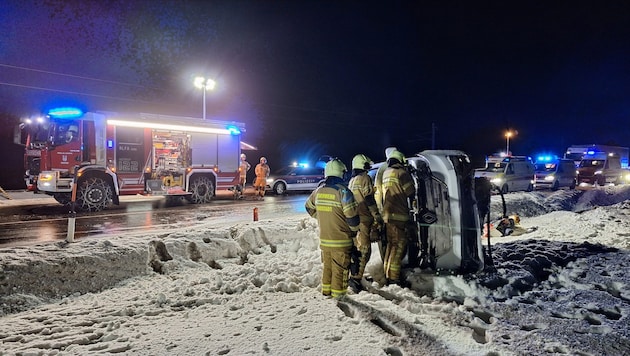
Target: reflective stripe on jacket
{"points": [[397, 187], [363, 190], [336, 211]]}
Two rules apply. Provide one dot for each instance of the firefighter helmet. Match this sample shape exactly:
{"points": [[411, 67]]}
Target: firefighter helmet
{"points": [[397, 155], [361, 161], [335, 168], [263, 160], [388, 151], [243, 157]]}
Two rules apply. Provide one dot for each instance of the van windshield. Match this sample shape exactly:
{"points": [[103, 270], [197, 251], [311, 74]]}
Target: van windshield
{"points": [[495, 167], [545, 167], [595, 163]]}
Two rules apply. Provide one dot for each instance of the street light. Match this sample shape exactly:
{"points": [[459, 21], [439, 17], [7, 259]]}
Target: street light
{"points": [[507, 137], [204, 84]]}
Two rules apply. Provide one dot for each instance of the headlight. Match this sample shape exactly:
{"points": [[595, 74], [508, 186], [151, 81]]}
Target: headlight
{"points": [[598, 172], [626, 177], [269, 180], [550, 177], [496, 181], [46, 177]]}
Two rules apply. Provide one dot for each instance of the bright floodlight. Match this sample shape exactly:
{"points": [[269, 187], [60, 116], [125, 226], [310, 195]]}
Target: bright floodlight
{"points": [[204, 84]]}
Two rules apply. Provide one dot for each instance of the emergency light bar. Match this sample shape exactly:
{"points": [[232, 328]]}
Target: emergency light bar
{"points": [[154, 125], [65, 113]]}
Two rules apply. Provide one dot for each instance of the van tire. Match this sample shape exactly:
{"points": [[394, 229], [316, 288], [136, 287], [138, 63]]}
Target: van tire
{"points": [[555, 185], [504, 189], [530, 187]]}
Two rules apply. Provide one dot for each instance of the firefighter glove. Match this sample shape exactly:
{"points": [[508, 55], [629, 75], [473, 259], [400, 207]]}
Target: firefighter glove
{"points": [[355, 260], [376, 231]]}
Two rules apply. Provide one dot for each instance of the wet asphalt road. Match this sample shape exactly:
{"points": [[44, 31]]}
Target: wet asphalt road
{"points": [[37, 221]]}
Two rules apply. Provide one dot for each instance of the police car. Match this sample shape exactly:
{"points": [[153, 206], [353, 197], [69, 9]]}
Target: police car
{"points": [[295, 178]]}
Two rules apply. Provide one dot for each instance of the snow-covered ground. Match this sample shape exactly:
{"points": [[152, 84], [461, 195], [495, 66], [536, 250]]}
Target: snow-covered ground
{"points": [[560, 287]]}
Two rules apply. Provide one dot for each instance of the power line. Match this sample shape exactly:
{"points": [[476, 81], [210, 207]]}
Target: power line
{"points": [[76, 76], [76, 93]]}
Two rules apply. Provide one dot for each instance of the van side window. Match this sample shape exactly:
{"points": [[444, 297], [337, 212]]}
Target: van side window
{"points": [[510, 169]]}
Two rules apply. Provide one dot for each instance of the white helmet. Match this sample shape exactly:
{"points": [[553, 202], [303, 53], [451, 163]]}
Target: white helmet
{"points": [[263, 160], [243, 157]]}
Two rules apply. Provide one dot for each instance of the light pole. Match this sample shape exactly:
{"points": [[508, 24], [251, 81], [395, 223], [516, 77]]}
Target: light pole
{"points": [[204, 84], [507, 145]]}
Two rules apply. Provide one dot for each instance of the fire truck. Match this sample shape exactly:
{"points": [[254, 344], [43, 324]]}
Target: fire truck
{"points": [[110, 154]]}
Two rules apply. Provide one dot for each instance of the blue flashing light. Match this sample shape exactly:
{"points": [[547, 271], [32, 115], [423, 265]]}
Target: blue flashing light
{"points": [[234, 130], [65, 113], [303, 164], [110, 143], [591, 152]]}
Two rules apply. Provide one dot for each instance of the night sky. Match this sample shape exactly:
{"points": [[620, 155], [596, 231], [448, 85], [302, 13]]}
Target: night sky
{"points": [[335, 77]]}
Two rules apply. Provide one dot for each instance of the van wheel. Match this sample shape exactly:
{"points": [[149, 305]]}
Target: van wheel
{"points": [[504, 189], [530, 187], [93, 194], [202, 190], [573, 185], [555, 185]]}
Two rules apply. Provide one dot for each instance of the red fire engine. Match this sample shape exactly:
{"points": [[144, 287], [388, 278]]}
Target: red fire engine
{"points": [[114, 154]]}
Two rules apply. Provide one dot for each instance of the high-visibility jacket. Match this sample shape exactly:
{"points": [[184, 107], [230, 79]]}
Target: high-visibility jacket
{"points": [[262, 172], [378, 186], [397, 187], [244, 167], [363, 191], [336, 211]]}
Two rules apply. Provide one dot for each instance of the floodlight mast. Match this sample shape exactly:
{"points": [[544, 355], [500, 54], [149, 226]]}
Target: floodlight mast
{"points": [[204, 84]]}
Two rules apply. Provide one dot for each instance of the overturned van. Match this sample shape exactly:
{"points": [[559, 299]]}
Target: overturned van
{"points": [[447, 236]]}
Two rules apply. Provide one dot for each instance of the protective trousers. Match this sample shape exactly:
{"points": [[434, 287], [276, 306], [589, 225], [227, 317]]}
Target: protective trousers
{"points": [[363, 244], [396, 244], [260, 184], [336, 262]]}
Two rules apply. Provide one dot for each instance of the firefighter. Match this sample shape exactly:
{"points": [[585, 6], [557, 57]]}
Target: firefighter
{"points": [[378, 179], [262, 172], [397, 187], [363, 190], [335, 209], [243, 168]]}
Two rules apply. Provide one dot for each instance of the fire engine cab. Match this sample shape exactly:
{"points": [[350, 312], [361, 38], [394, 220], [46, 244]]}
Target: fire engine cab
{"points": [[113, 154]]}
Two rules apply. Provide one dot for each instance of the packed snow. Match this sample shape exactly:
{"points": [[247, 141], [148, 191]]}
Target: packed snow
{"points": [[560, 285]]}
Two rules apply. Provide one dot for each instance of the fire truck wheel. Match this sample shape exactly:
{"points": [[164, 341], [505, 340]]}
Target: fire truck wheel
{"points": [[202, 190], [93, 194], [63, 198]]}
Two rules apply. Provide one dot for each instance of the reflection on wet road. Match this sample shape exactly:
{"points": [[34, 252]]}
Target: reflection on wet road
{"points": [[24, 225]]}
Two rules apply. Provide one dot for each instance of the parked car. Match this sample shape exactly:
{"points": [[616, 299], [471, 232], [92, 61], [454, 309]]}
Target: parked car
{"points": [[295, 178], [555, 174]]}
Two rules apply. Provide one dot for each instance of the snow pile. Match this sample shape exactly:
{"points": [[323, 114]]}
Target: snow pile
{"points": [[562, 287]]}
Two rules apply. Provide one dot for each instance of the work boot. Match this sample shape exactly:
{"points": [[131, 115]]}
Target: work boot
{"points": [[355, 285]]}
